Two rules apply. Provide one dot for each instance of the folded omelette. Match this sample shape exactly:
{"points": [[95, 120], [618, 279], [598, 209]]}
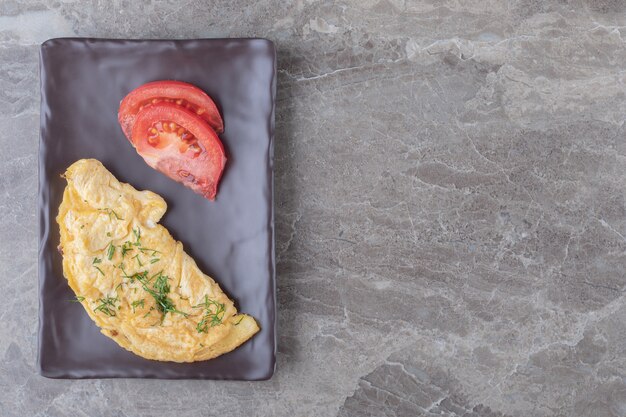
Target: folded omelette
{"points": [[134, 280]]}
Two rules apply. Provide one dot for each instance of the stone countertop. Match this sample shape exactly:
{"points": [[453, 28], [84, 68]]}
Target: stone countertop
{"points": [[450, 207]]}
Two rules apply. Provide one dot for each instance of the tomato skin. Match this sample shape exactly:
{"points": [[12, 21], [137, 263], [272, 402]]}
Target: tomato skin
{"points": [[170, 155], [191, 95]]}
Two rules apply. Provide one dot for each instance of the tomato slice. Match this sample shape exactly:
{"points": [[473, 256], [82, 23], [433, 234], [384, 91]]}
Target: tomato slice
{"points": [[174, 141], [179, 93]]}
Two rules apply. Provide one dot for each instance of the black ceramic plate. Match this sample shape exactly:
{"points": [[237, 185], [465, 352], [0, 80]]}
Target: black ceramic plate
{"points": [[231, 239]]}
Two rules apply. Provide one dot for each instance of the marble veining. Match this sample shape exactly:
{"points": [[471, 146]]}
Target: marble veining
{"points": [[450, 207]]}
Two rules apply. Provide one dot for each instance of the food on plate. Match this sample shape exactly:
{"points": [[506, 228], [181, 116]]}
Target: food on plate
{"points": [[134, 279], [173, 125], [179, 93], [174, 141]]}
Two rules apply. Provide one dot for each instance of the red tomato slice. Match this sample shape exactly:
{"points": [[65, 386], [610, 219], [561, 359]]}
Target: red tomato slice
{"points": [[174, 141], [182, 94]]}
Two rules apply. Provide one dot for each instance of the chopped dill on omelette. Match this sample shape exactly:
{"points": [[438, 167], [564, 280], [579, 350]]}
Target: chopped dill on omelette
{"points": [[213, 315], [126, 247], [110, 251], [107, 306], [137, 303]]}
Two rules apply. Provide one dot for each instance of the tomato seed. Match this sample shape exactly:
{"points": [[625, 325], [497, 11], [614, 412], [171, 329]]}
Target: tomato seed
{"points": [[179, 102]]}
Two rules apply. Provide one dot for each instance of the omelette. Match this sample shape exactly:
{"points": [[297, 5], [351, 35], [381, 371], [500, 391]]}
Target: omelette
{"points": [[134, 279]]}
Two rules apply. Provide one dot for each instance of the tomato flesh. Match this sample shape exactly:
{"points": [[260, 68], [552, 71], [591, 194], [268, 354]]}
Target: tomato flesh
{"points": [[174, 141], [178, 93]]}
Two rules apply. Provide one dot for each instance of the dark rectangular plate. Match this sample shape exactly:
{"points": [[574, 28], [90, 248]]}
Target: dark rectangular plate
{"points": [[231, 239]]}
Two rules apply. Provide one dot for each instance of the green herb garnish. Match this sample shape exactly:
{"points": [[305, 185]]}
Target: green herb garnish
{"points": [[121, 266], [107, 306], [126, 247], [79, 299], [148, 313], [111, 213], [159, 291], [99, 270], [96, 261], [138, 261], [137, 303], [239, 321], [137, 233], [155, 260], [141, 277], [144, 250], [110, 251], [212, 316], [136, 276]]}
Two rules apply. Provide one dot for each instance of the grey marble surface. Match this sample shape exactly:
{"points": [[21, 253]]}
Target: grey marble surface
{"points": [[450, 207]]}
